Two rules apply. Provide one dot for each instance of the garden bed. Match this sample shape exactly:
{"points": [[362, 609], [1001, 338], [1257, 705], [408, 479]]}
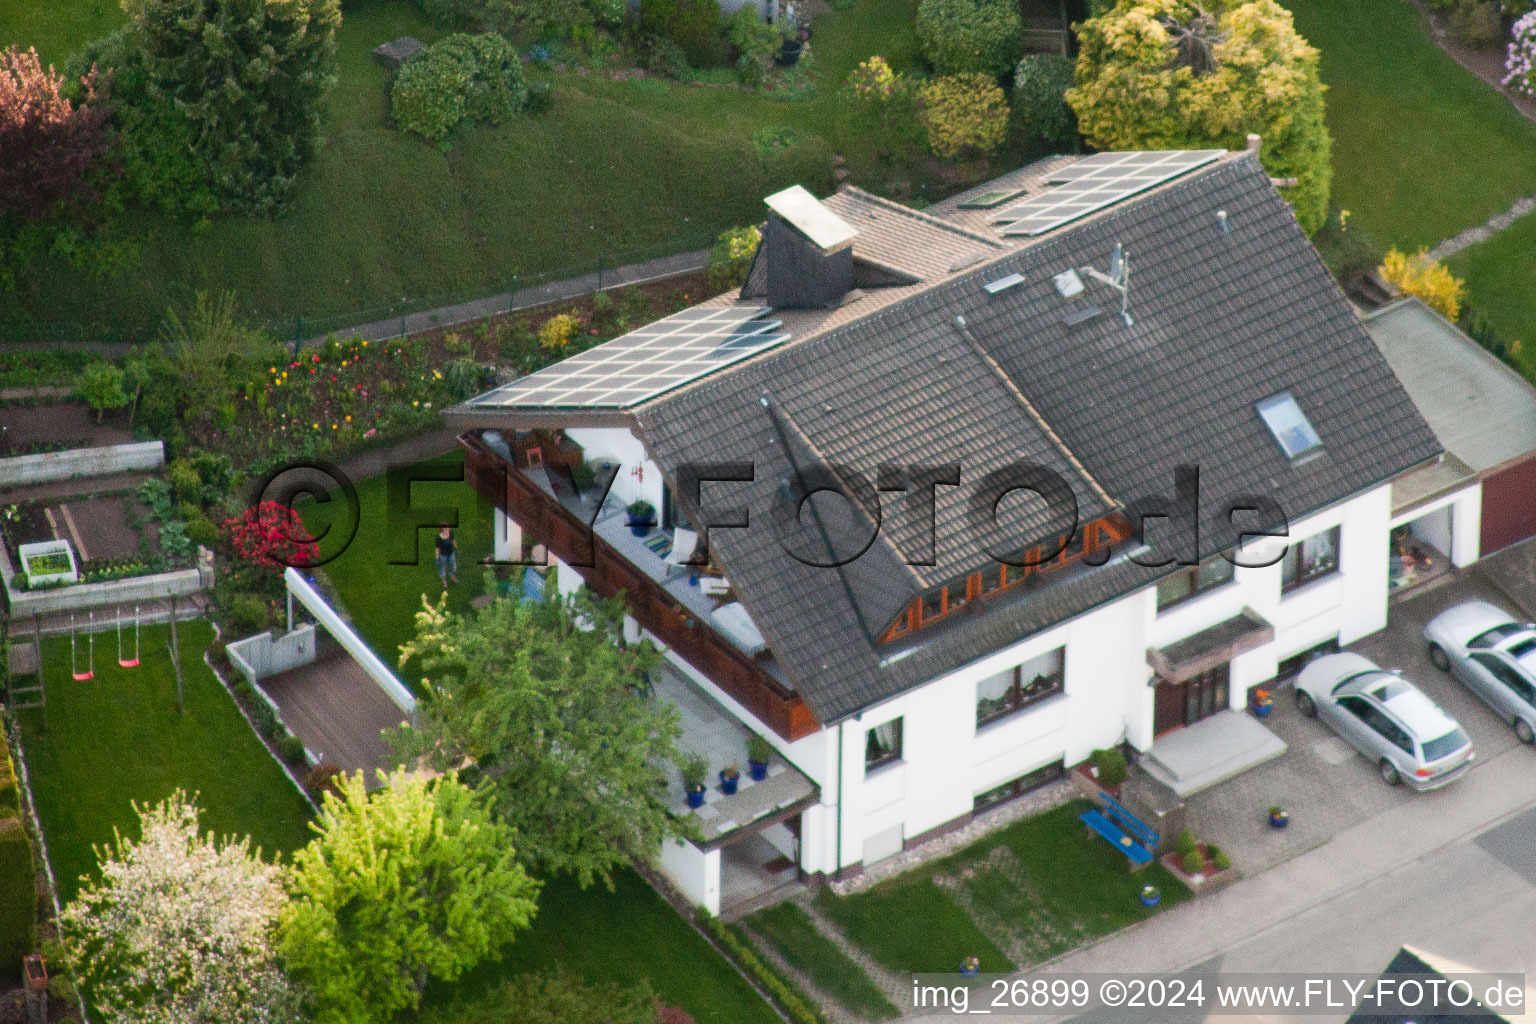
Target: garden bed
{"points": [[114, 535], [36, 428], [1208, 879]]}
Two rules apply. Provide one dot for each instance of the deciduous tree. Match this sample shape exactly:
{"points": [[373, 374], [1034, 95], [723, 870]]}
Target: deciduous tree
{"points": [[541, 701], [180, 929], [47, 142], [413, 881], [1192, 74]]}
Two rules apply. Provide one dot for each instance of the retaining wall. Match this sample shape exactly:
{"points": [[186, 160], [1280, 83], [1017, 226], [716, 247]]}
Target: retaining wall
{"points": [[20, 470]]}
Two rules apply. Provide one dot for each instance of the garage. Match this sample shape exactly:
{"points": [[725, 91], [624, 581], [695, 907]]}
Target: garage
{"points": [[1509, 506], [1484, 414]]}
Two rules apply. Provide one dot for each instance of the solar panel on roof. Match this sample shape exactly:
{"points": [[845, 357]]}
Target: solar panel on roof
{"points": [[648, 361], [1097, 181]]}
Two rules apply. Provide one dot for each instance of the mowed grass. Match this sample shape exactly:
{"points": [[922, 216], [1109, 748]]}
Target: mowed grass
{"points": [[1501, 284], [56, 28], [117, 738], [382, 597], [1036, 888], [619, 170], [1422, 148], [790, 931]]}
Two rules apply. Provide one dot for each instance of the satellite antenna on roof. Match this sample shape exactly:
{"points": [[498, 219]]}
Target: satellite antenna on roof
{"points": [[1118, 278]]}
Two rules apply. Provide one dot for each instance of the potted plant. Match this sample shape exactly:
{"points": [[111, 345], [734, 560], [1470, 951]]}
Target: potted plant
{"points": [[1151, 895], [693, 767], [759, 753], [970, 965], [1263, 704], [1278, 818], [642, 517], [730, 777]]}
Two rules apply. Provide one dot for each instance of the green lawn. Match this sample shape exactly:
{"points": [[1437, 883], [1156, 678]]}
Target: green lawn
{"points": [[1501, 284], [56, 28], [1041, 886], [117, 738], [788, 928], [383, 599], [1421, 147], [615, 169]]}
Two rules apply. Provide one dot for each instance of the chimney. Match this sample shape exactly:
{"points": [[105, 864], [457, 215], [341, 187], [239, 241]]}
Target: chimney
{"points": [[1254, 142], [809, 250]]}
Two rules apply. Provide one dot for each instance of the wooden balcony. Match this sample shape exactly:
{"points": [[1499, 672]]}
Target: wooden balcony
{"points": [[608, 572]]}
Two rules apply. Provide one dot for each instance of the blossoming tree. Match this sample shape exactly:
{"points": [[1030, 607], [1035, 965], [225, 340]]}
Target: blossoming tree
{"points": [[180, 928], [271, 535]]}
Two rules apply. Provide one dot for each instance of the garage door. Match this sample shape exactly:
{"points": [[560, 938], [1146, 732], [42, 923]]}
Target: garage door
{"points": [[1509, 506]]}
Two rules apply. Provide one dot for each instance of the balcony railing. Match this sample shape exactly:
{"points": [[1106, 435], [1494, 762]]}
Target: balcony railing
{"points": [[608, 572]]}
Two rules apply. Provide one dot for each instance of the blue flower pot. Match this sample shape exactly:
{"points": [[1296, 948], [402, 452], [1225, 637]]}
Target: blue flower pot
{"points": [[641, 527], [728, 783], [1151, 899], [970, 970], [1279, 820], [696, 797], [758, 770], [1263, 710]]}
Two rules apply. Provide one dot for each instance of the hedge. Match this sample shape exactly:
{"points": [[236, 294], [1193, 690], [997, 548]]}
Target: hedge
{"points": [[18, 874], [961, 37], [784, 992]]}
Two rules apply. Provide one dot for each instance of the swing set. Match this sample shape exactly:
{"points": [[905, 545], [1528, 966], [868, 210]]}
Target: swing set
{"points": [[89, 671]]}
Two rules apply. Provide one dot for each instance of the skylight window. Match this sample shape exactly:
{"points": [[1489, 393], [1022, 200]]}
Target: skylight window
{"points": [[1289, 424]]}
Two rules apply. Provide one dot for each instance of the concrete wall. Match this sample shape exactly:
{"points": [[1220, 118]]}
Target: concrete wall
{"points": [[264, 655], [116, 458], [82, 596], [695, 872]]}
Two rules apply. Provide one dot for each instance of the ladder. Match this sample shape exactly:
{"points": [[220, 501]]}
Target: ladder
{"points": [[26, 659]]}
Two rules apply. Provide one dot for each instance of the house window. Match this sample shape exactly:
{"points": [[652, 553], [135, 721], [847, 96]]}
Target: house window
{"points": [[1015, 689], [1192, 580], [1285, 420], [1310, 559], [1027, 783], [882, 745]]}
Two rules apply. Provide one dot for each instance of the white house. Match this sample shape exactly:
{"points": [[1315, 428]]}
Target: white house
{"points": [[968, 485]]}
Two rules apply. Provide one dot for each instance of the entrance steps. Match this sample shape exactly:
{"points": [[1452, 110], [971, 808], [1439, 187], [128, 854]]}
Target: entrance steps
{"points": [[1211, 751]]}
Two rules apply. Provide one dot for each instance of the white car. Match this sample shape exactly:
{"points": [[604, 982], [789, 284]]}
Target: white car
{"points": [[1386, 718], [1494, 656]]}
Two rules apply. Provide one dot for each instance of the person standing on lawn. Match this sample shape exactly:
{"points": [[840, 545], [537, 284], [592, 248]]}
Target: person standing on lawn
{"points": [[447, 556]]}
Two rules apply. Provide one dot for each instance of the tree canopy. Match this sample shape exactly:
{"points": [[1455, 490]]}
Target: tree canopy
{"points": [[413, 881], [539, 701], [180, 928], [47, 142], [1178, 74]]}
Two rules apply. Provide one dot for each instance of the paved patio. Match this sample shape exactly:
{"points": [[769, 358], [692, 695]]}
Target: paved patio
{"points": [[1321, 781]]}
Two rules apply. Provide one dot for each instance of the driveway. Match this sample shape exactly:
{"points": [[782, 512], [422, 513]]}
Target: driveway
{"points": [[1320, 780]]}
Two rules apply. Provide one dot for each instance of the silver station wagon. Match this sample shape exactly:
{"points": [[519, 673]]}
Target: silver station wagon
{"points": [[1387, 719], [1493, 655]]}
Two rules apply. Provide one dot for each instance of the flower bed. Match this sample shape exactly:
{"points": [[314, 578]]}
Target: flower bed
{"points": [[1208, 877]]}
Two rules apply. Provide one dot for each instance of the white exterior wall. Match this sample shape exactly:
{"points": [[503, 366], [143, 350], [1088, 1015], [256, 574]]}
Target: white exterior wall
{"points": [[639, 478], [694, 872]]}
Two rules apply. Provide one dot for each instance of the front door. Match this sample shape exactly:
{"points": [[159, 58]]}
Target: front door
{"points": [[1179, 704]]}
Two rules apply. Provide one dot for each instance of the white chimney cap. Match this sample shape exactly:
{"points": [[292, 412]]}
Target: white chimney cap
{"points": [[1254, 141], [808, 216]]}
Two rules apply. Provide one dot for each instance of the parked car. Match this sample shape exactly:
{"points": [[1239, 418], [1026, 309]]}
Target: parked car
{"points": [[1386, 718], [1494, 655]]}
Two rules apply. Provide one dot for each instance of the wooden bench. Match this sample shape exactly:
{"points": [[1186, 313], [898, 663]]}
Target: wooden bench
{"points": [[1124, 831]]}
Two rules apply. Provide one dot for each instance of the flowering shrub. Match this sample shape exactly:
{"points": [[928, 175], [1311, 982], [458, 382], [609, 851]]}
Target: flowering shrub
{"points": [[270, 535], [873, 81], [731, 257], [557, 331], [881, 101], [1521, 63], [1427, 279], [963, 114]]}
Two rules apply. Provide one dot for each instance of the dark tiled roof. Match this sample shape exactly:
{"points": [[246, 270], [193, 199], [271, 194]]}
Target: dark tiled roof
{"points": [[1221, 321]]}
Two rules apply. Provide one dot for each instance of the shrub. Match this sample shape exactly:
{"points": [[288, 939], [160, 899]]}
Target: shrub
{"points": [[1521, 62], [101, 385], [461, 77], [1193, 862], [321, 780], [49, 142], [731, 257], [1220, 860], [557, 332], [1040, 85], [661, 56], [291, 749], [963, 115], [881, 102], [1477, 24], [694, 25], [1426, 279], [1480, 330], [1186, 844], [18, 879], [793, 1002], [1111, 765], [755, 44], [249, 612], [961, 37], [553, 998], [465, 377], [270, 535], [185, 482]]}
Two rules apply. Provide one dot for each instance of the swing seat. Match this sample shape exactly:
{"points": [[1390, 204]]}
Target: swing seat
{"points": [[81, 677], [130, 663]]}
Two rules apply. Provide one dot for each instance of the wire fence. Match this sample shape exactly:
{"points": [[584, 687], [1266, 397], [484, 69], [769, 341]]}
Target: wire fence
{"points": [[515, 291]]}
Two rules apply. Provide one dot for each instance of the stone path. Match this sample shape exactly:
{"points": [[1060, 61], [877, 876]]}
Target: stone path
{"points": [[1482, 232], [830, 1008], [896, 988]]}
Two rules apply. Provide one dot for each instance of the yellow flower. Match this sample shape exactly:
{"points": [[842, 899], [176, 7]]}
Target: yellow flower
{"points": [[317, 426], [438, 374], [349, 419], [333, 426], [416, 403]]}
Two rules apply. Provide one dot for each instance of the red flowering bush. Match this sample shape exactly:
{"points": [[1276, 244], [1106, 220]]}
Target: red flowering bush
{"points": [[272, 536]]}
